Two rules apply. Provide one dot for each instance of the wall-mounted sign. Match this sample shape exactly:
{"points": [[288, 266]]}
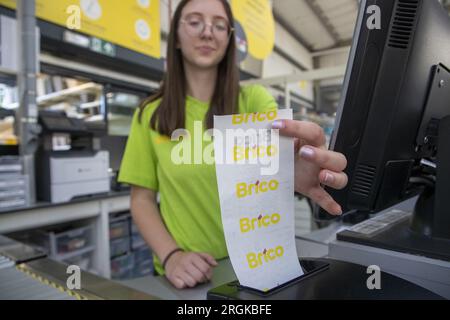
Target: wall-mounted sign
{"points": [[257, 20], [133, 24]]}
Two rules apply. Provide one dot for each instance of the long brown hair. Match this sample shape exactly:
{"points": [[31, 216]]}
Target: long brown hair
{"points": [[170, 114]]}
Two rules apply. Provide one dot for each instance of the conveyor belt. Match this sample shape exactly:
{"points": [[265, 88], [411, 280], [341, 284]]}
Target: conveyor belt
{"points": [[18, 285], [27, 274], [5, 263]]}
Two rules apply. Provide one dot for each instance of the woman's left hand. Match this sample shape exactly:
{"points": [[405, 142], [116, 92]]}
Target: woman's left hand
{"points": [[314, 164]]}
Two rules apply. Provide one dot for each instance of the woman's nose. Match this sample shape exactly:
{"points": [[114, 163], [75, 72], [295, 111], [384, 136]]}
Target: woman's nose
{"points": [[207, 31]]}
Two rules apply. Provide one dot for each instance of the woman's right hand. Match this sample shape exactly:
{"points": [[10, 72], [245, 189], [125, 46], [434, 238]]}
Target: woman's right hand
{"points": [[187, 269]]}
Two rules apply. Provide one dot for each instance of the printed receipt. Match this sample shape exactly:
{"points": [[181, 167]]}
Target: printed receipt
{"points": [[255, 176]]}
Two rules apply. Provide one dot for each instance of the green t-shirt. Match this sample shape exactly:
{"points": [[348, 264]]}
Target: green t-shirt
{"points": [[189, 199]]}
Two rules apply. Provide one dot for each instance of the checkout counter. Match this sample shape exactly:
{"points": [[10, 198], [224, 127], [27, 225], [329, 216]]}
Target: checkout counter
{"points": [[342, 279], [345, 278]]}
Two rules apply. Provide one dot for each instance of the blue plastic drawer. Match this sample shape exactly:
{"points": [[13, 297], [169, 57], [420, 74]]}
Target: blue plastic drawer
{"points": [[119, 246], [119, 229], [143, 269], [143, 254], [137, 241], [122, 267]]}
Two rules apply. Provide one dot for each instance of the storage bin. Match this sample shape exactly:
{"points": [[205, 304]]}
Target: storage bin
{"points": [[119, 228], [137, 241], [122, 267], [84, 261], [119, 246], [143, 269], [142, 254], [14, 191], [62, 242]]}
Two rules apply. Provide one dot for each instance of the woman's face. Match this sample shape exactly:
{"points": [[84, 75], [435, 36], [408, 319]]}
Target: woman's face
{"points": [[203, 33]]}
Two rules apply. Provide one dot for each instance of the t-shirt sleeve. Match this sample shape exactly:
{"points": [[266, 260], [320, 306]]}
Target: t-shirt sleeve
{"points": [[139, 162], [260, 99]]}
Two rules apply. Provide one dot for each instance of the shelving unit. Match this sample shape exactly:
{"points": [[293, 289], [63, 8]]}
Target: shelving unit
{"points": [[97, 210], [63, 95]]}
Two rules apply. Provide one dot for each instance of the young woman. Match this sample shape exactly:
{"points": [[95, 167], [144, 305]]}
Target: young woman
{"points": [[185, 231]]}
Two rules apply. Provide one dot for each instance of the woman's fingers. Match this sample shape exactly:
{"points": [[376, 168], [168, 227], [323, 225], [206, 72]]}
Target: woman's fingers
{"points": [[195, 273], [325, 201], [325, 159], [188, 279], [209, 258], [305, 131], [194, 269], [203, 267], [297, 145], [178, 283], [333, 180]]}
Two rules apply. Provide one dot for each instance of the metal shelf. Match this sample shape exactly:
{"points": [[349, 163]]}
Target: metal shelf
{"points": [[63, 95]]}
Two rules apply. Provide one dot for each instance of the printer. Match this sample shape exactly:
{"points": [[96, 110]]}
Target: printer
{"points": [[69, 162]]}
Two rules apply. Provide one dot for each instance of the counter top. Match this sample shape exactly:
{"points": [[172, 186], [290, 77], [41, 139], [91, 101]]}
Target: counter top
{"points": [[223, 273], [342, 280], [161, 287]]}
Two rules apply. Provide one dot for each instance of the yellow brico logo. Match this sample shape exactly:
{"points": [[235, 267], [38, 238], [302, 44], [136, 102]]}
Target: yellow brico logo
{"points": [[256, 260], [247, 224], [257, 152], [245, 190], [254, 117]]}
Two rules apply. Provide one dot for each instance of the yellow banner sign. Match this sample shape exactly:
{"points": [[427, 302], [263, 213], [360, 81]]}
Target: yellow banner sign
{"points": [[133, 24], [256, 18]]}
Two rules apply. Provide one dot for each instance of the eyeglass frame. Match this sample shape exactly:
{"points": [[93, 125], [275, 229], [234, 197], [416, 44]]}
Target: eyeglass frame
{"points": [[230, 31]]}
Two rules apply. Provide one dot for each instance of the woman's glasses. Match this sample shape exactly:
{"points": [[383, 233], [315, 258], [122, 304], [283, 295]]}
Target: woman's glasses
{"points": [[195, 26]]}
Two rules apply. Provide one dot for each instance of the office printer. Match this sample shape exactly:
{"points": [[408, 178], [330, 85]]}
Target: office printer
{"points": [[69, 162]]}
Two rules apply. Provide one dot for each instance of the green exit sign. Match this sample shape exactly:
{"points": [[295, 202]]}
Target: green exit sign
{"points": [[103, 47]]}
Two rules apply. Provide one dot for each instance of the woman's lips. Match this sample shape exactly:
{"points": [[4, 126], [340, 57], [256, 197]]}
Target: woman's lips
{"points": [[206, 50]]}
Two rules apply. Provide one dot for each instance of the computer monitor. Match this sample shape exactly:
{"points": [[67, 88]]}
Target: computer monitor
{"points": [[392, 120]]}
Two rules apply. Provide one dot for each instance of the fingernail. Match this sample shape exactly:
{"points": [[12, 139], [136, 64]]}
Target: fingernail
{"points": [[307, 153], [329, 178], [278, 124]]}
